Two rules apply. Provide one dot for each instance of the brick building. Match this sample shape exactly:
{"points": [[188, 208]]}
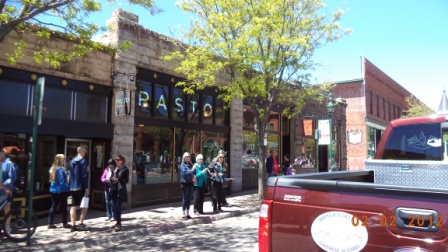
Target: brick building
{"points": [[373, 101]]}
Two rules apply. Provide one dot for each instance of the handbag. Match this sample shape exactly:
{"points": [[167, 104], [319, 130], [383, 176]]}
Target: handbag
{"points": [[84, 202], [194, 179]]}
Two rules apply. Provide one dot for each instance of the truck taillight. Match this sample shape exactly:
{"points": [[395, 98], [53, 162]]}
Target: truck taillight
{"points": [[264, 227]]}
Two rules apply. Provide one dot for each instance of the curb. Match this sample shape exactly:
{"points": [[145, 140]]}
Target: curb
{"points": [[145, 231]]}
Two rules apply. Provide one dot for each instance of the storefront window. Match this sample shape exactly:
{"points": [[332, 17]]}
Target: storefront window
{"points": [[220, 112], [57, 104], [309, 148], [212, 142], [273, 142], [91, 108], [193, 108], [14, 98], [15, 146], [180, 103], [153, 154], [250, 158], [273, 124], [162, 102], [207, 109], [144, 97], [371, 141]]}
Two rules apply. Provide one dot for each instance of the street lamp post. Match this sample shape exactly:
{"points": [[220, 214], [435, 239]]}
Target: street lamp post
{"points": [[330, 111]]}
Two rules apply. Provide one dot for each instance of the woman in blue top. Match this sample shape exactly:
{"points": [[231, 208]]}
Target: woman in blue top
{"points": [[215, 171], [199, 186], [59, 190], [187, 170]]}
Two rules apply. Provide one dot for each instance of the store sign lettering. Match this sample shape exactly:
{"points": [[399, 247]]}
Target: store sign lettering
{"points": [[161, 103]]}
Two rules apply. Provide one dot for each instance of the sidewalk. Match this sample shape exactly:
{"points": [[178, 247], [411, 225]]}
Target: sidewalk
{"points": [[136, 222]]}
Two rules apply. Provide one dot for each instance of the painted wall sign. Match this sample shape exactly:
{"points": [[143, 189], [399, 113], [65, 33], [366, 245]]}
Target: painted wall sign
{"points": [[333, 231], [122, 102], [354, 136], [161, 103]]}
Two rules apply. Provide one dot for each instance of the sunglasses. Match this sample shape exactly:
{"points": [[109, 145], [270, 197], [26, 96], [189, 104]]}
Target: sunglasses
{"points": [[117, 159]]}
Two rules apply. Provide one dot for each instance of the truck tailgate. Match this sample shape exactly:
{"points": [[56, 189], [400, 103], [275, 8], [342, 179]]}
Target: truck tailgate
{"points": [[357, 216]]}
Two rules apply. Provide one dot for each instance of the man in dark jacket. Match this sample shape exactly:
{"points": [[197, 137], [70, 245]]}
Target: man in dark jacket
{"points": [[79, 186], [272, 164]]}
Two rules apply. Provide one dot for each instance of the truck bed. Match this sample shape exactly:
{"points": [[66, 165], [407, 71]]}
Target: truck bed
{"points": [[347, 211]]}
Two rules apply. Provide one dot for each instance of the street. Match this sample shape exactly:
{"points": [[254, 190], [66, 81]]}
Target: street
{"points": [[230, 234]]}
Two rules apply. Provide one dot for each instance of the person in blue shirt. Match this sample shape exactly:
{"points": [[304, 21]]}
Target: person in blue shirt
{"points": [[79, 187], [8, 177], [187, 170], [59, 191], [199, 186]]}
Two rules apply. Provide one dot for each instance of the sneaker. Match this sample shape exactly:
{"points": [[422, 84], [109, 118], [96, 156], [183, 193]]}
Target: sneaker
{"points": [[189, 217], [67, 226], [73, 229], [108, 218], [184, 217], [82, 227], [216, 211], [118, 227], [51, 226]]}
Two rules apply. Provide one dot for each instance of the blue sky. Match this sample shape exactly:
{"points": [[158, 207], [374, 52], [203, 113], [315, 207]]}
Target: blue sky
{"points": [[406, 39]]}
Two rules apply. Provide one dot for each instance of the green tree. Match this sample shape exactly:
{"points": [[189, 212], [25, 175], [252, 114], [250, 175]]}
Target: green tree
{"points": [[262, 47], [70, 17], [416, 108]]}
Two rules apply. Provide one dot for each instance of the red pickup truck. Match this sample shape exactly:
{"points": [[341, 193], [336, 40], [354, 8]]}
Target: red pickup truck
{"points": [[398, 203]]}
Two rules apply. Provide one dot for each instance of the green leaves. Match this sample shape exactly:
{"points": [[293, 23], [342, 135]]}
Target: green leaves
{"points": [[262, 46], [60, 19], [417, 108]]}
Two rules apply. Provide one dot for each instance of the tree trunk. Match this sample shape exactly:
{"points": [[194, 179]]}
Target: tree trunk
{"points": [[262, 175], [4, 30]]}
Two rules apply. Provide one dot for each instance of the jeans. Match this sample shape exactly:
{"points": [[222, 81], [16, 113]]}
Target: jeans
{"points": [[57, 198], [117, 202], [110, 212], [187, 192]]}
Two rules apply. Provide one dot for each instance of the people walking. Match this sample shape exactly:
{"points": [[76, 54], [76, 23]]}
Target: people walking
{"points": [[187, 170], [105, 178], [199, 186], [59, 191], [119, 191], [215, 171], [79, 187]]}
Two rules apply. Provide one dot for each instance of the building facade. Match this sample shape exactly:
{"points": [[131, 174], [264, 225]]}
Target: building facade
{"points": [[373, 101], [129, 104]]}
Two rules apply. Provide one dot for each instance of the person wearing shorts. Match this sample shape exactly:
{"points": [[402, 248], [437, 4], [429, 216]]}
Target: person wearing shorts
{"points": [[79, 187]]}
